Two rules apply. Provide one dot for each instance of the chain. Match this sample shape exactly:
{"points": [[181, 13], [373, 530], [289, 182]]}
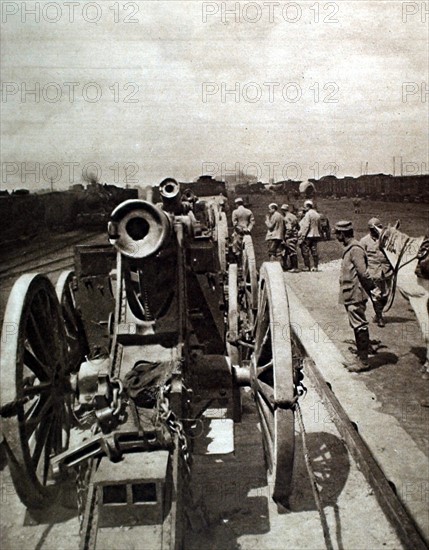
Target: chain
{"points": [[83, 475], [175, 426], [117, 395]]}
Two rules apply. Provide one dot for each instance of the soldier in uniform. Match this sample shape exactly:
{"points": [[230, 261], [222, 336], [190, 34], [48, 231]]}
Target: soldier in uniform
{"points": [[309, 236], [275, 234], [243, 222], [355, 282], [290, 258], [379, 268]]}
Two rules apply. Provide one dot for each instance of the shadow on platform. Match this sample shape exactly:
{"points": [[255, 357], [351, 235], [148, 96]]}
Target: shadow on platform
{"points": [[329, 460], [396, 319], [383, 358]]}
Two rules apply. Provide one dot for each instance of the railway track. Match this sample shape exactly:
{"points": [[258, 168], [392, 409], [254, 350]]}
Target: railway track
{"points": [[31, 261], [48, 267]]}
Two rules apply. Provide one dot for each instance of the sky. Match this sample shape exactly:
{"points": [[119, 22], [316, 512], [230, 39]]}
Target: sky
{"points": [[138, 91]]}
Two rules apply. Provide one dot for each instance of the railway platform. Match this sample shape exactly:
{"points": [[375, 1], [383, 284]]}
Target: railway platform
{"points": [[232, 491], [384, 402]]}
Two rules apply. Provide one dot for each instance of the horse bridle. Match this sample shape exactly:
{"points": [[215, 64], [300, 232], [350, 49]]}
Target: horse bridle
{"points": [[397, 267]]}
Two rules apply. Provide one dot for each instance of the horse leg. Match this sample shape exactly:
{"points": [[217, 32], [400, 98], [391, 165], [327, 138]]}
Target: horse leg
{"points": [[420, 307]]}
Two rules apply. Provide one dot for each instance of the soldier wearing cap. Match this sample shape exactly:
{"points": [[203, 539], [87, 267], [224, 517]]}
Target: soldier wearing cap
{"points": [[290, 258], [275, 234], [379, 268], [243, 222], [355, 281], [309, 235]]}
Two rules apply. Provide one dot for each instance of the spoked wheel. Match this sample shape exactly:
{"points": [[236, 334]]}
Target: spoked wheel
{"points": [[35, 385], [222, 236], [232, 335], [250, 280], [77, 346], [272, 379]]}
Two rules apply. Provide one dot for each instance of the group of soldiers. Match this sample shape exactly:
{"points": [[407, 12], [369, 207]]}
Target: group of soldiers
{"points": [[365, 271], [285, 233]]}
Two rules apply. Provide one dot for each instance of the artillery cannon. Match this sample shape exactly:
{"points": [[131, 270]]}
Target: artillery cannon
{"points": [[106, 375]]}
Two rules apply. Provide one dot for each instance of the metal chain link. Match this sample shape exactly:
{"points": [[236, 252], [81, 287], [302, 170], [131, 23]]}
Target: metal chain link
{"points": [[166, 415], [83, 475]]}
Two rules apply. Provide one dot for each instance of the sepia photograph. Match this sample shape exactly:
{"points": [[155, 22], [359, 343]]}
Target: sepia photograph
{"points": [[214, 275]]}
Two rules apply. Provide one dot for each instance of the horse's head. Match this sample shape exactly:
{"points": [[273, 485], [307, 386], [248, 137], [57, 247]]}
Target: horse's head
{"points": [[386, 234]]}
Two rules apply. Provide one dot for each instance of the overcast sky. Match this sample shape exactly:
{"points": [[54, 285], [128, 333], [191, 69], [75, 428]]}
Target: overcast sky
{"points": [[321, 86]]}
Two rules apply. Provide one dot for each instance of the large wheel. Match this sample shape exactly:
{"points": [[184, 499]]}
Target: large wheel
{"points": [[232, 333], [272, 379], [250, 279], [222, 237], [35, 387], [77, 345]]}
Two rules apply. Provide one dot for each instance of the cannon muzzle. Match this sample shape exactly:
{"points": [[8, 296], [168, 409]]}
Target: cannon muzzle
{"points": [[170, 194], [138, 229]]}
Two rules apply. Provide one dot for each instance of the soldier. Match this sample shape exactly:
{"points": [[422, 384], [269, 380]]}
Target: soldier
{"points": [[275, 234], [355, 280], [356, 203], [309, 236], [379, 268], [222, 202], [243, 222], [291, 240]]}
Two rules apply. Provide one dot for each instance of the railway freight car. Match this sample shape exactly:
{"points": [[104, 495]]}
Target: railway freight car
{"points": [[377, 187], [24, 215]]}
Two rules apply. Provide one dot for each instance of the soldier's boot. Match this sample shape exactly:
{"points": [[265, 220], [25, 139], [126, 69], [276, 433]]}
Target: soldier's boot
{"points": [[284, 262], [316, 263], [378, 308], [294, 264], [362, 344]]}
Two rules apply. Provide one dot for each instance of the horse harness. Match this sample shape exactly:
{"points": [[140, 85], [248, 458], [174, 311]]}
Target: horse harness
{"points": [[422, 268]]}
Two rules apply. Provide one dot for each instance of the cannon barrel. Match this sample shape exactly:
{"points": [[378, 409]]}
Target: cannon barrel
{"points": [[138, 229], [170, 194]]}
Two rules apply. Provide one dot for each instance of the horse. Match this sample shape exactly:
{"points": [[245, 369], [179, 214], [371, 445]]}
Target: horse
{"points": [[404, 253]]}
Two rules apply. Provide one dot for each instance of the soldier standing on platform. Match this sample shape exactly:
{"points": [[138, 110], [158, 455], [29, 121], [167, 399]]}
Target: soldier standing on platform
{"points": [[243, 222], [275, 234], [355, 282], [290, 258], [379, 268]]}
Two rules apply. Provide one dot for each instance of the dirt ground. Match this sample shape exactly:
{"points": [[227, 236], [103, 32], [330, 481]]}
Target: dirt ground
{"points": [[402, 336]]}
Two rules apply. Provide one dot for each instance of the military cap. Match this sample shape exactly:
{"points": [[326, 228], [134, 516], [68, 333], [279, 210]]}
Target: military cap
{"points": [[308, 203], [273, 205], [284, 207], [343, 226], [238, 199], [375, 222]]}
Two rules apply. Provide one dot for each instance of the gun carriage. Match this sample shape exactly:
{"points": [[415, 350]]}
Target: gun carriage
{"points": [[107, 376]]}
